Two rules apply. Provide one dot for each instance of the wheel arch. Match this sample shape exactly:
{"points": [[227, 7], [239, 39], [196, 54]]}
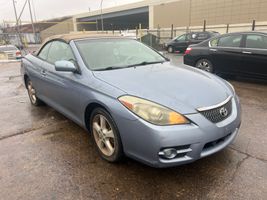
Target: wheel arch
{"points": [[206, 58], [25, 78], [87, 115], [88, 111], [202, 57]]}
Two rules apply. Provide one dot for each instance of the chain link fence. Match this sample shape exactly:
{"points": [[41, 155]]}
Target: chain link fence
{"points": [[157, 37], [20, 40], [152, 37], [163, 35]]}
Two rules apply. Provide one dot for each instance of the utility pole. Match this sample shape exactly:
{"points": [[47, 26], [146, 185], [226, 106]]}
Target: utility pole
{"points": [[17, 22], [34, 11], [33, 29], [19, 18], [189, 16], [15, 10], [102, 21]]}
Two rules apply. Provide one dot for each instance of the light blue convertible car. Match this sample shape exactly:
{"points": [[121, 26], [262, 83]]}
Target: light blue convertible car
{"points": [[132, 99]]}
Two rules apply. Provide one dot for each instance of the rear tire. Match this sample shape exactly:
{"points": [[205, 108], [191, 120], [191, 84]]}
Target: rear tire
{"points": [[32, 94], [205, 65], [106, 135]]}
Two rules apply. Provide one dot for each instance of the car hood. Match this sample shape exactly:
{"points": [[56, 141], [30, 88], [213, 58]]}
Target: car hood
{"points": [[183, 89]]}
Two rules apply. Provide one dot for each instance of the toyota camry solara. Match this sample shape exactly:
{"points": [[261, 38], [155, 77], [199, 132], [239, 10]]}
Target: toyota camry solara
{"points": [[132, 100]]}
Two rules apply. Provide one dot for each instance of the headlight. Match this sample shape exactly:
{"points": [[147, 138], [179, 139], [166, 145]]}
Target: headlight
{"points": [[152, 112]]}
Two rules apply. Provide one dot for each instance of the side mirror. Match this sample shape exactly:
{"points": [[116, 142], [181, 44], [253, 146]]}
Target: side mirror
{"points": [[65, 66]]}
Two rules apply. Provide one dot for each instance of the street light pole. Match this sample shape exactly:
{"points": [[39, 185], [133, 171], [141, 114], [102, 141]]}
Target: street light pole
{"points": [[102, 21]]}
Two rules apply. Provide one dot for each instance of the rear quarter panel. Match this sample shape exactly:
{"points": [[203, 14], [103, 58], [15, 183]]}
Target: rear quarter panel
{"points": [[197, 53]]}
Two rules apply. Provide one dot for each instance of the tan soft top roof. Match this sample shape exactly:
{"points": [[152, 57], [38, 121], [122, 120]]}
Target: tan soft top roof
{"points": [[75, 36]]}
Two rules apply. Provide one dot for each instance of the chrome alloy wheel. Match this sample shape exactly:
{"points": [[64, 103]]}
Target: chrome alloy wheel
{"points": [[32, 92], [104, 135], [204, 65]]}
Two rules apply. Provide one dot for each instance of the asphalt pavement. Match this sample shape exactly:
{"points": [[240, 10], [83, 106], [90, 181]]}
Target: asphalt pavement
{"points": [[43, 155]]}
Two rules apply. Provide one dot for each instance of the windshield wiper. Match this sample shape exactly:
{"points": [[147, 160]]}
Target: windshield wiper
{"points": [[128, 66], [109, 68], [145, 63]]}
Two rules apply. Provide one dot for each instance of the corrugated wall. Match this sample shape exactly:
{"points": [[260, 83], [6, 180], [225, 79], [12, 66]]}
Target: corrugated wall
{"points": [[194, 12]]}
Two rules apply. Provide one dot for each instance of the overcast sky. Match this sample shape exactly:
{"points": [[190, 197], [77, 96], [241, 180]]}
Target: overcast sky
{"points": [[46, 9]]}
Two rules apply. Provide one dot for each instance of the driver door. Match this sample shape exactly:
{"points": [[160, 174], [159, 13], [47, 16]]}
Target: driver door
{"points": [[62, 88]]}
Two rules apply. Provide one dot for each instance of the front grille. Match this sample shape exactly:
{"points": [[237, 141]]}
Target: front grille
{"points": [[220, 113]]}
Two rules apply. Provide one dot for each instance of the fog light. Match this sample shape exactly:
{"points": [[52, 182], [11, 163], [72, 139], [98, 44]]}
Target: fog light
{"points": [[170, 153]]}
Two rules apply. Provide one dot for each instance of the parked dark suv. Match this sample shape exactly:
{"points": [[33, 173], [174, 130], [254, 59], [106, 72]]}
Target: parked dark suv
{"points": [[234, 54], [181, 42]]}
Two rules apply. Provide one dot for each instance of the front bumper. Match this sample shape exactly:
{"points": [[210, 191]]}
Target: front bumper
{"points": [[144, 141]]}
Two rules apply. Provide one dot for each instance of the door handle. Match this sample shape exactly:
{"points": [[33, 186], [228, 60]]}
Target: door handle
{"points": [[214, 50], [246, 52]]}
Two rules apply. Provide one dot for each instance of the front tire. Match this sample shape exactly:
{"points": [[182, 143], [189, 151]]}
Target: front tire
{"points": [[106, 135], [32, 94], [205, 65]]}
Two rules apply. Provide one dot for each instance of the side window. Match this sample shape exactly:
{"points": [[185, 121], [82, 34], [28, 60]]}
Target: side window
{"points": [[214, 42], [256, 41], [230, 41], [60, 51], [202, 36], [44, 52], [181, 38]]}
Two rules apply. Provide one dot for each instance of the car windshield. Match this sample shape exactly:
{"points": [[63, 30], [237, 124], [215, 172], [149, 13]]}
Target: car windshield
{"points": [[107, 54]]}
